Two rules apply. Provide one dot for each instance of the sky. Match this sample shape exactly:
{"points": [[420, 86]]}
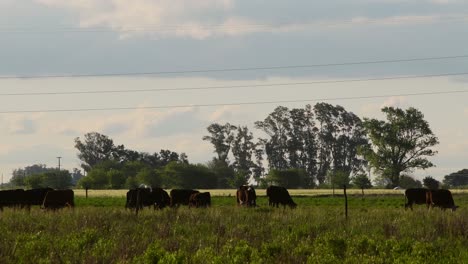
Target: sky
{"points": [[86, 50]]}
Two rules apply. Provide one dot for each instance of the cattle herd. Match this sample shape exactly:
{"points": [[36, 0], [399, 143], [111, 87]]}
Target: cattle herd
{"points": [[47, 198], [158, 198]]}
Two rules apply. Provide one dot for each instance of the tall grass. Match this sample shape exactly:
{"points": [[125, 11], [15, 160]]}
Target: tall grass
{"points": [[315, 232]]}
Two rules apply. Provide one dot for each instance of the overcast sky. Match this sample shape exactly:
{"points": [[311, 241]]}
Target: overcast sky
{"points": [[105, 37]]}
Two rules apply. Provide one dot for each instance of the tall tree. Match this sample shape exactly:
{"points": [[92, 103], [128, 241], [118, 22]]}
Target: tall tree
{"points": [[276, 126], [243, 148], [339, 135], [94, 149], [221, 137], [400, 144]]}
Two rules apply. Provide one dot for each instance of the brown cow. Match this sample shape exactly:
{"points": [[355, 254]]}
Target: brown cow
{"points": [[181, 196], [246, 196], [200, 200], [56, 199], [440, 198], [415, 196], [279, 195]]}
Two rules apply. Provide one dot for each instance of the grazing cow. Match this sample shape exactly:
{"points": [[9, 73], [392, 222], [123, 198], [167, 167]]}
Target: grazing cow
{"points": [[35, 196], [140, 197], [12, 198], [440, 198], [246, 196], [279, 195], [415, 196], [181, 196], [200, 200], [56, 199]]}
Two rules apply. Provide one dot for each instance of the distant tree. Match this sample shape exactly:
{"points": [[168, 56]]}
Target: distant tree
{"points": [[20, 175], [224, 174], [340, 133], [221, 136], [291, 141], [34, 181], [338, 179], [149, 176], [94, 149], [76, 175], [290, 178], [98, 178], [399, 144], [116, 179], [361, 181], [243, 151], [407, 182], [57, 179], [181, 175], [457, 179], [431, 183], [85, 182]]}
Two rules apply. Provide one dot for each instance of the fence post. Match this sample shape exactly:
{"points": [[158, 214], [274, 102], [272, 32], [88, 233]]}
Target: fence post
{"points": [[346, 201]]}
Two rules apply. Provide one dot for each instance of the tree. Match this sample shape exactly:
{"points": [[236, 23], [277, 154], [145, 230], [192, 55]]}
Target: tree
{"points": [[400, 144], [243, 148], [339, 135], [431, 183], [407, 182], [221, 137], [149, 177], [362, 181], [116, 179], [292, 140], [95, 149], [290, 178], [457, 179], [57, 179]]}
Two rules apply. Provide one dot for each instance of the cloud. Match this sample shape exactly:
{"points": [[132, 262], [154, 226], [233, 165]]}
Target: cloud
{"points": [[201, 19], [19, 124]]}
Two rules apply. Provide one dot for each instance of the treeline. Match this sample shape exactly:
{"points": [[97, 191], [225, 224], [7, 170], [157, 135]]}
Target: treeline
{"points": [[316, 146]]}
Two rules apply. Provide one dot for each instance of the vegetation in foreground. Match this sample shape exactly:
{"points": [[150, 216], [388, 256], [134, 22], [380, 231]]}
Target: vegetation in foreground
{"points": [[378, 230]]}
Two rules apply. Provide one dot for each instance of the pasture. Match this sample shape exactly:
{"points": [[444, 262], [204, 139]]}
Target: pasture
{"points": [[100, 230]]}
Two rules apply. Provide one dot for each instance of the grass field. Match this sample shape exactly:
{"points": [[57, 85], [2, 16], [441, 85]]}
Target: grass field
{"points": [[100, 230]]}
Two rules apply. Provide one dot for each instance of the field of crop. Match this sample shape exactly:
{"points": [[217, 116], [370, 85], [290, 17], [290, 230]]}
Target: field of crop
{"points": [[100, 230]]}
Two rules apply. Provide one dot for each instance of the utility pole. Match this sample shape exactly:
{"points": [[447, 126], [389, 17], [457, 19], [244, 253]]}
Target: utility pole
{"points": [[59, 162]]}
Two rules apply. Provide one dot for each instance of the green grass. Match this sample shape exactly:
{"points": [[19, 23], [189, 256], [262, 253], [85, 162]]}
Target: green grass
{"points": [[100, 230]]}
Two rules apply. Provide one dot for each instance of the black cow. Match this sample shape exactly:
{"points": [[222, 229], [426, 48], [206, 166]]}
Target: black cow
{"points": [[35, 196], [12, 198], [140, 197], [415, 196], [279, 195], [56, 199], [181, 196], [440, 198], [246, 196], [200, 200]]}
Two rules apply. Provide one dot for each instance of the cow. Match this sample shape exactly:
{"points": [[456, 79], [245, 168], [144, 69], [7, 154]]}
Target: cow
{"points": [[246, 196], [12, 198], [200, 200], [140, 197], [35, 196], [56, 199], [440, 198], [181, 196], [415, 196], [279, 195]]}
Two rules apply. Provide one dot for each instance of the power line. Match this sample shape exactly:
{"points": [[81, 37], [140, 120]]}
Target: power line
{"points": [[233, 69], [234, 86], [233, 104]]}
